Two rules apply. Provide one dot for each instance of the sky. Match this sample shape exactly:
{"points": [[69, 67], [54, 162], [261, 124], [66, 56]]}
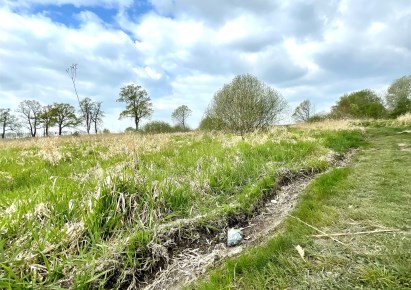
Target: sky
{"points": [[182, 51]]}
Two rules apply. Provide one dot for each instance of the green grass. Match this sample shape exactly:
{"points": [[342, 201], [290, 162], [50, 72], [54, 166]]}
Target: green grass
{"points": [[83, 212], [373, 193]]}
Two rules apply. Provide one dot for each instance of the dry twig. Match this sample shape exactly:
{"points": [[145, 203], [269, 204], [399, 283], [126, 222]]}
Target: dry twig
{"points": [[317, 229], [356, 233]]}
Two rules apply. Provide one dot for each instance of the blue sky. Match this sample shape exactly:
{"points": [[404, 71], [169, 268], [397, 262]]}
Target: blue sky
{"points": [[183, 51]]}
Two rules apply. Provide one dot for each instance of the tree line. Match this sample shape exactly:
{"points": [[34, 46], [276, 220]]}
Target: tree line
{"points": [[241, 106], [364, 104], [34, 116]]}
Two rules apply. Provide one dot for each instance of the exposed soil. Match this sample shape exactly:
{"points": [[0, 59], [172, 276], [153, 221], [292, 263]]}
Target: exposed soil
{"points": [[191, 248]]}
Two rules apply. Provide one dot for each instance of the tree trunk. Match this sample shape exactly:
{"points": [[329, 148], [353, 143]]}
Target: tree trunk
{"points": [[88, 123], [3, 134], [136, 120], [95, 127], [60, 129]]}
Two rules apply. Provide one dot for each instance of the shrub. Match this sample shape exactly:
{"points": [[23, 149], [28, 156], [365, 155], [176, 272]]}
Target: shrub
{"points": [[157, 127]]}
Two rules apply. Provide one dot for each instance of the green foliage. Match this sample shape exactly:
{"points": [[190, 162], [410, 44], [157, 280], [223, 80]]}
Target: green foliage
{"points": [[47, 118], [210, 123], [130, 130], [158, 127], [246, 104], [317, 118], [180, 128], [360, 104], [65, 115], [138, 103], [399, 96]]}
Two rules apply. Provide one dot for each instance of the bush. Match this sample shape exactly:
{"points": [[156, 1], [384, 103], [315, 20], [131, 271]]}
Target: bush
{"points": [[317, 118], [158, 127], [130, 130], [246, 104], [180, 128], [209, 123], [361, 104]]}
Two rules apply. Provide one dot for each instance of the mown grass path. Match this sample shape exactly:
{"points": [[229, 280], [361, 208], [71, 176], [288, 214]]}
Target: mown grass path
{"points": [[372, 194]]}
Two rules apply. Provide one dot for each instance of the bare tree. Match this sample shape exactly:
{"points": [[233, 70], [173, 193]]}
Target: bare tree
{"points": [[181, 114], [31, 110], [304, 111], [66, 116], [246, 104], [8, 122], [138, 102], [87, 107], [97, 115]]}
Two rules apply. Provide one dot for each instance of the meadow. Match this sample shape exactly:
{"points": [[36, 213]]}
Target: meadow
{"points": [[107, 211]]}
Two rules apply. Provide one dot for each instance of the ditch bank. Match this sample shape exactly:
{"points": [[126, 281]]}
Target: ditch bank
{"points": [[182, 250]]}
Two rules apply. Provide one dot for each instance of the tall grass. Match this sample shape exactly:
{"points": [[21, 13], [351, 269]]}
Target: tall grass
{"points": [[83, 212]]}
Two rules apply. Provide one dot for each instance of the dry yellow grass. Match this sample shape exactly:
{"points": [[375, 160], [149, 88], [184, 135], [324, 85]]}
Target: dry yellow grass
{"points": [[404, 119], [333, 125]]}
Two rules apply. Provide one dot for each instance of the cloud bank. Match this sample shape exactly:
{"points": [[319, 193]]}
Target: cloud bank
{"points": [[183, 51]]}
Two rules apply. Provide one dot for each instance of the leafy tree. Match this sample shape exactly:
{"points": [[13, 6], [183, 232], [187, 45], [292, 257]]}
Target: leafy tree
{"points": [[8, 122], [181, 114], [47, 118], [157, 127], [65, 116], [246, 104], [139, 104], [31, 111], [398, 97], [97, 115], [303, 112], [360, 104]]}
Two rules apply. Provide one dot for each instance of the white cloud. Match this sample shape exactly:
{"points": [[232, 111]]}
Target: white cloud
{"points": [[184, 50], [77, 3]]}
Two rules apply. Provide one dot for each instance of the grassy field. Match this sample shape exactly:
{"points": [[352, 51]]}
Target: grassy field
{"points": [[86, 212], [366, 205]]}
